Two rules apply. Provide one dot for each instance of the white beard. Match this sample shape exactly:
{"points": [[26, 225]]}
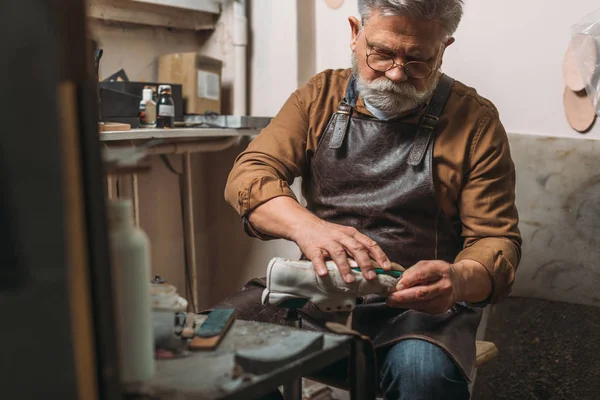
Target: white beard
{"points": [[388, 96]]}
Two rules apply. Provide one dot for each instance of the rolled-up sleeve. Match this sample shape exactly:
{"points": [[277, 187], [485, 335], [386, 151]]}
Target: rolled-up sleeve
{"points": [[272, 161], [487, 207]]}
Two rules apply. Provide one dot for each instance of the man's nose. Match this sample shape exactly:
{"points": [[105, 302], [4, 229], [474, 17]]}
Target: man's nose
{"points": [[397, 74]]}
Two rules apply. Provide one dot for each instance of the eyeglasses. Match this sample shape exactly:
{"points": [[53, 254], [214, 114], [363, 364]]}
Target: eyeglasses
{"points": [[384, 62]]}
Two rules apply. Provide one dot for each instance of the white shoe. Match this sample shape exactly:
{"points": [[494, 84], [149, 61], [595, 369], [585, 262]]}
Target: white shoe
{"points": [[289, 280]]}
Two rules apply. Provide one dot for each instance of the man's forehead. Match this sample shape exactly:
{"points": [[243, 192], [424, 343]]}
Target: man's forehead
{"points": [[404, 44], [400, 33]]}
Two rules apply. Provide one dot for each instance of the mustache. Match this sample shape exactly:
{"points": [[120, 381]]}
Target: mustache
{"points": [[387, 95], [386, 86]]}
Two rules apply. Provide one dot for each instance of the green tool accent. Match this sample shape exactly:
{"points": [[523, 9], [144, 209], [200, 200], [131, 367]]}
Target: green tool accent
{"points": [[216, 321], [380, 271]]}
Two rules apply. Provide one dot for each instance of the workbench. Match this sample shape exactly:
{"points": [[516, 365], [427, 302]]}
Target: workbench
{"points": [[209, 375], [216, 133]]}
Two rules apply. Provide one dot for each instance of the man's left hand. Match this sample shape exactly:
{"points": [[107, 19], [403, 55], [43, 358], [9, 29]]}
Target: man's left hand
{"points": [[428, 286], [435, 286]]}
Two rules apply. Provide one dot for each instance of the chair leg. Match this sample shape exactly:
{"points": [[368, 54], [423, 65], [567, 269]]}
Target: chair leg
{"points": [[362, 364], [293, 390], [292, 318]]}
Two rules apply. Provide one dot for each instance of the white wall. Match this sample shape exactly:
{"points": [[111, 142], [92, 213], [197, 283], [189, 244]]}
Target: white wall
{"points": [[273, 77], [511, 51], [274, 55]]}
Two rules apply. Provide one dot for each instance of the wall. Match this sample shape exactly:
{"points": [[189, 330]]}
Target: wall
{"points": [[273, 76], [135, 49], [222, 246], [283, 53], [511, 51]]}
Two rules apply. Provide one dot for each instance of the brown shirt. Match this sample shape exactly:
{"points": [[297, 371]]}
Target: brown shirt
{"points": [[474, 174]]}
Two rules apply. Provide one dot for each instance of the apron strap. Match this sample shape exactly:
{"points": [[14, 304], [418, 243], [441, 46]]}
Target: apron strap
{"points": [[426, 128], [344, 112]]}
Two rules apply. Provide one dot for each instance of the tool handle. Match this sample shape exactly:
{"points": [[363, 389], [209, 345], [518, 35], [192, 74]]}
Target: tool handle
{"points": [[380, 271]]}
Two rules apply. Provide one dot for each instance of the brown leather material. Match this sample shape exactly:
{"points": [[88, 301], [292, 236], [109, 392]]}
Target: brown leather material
{"points": [[425, 132], [367, 182], [380, 181], [340, 126]]}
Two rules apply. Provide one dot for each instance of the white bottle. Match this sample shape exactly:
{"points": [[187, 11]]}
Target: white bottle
{"points": [[147, 110], [130, 256]]}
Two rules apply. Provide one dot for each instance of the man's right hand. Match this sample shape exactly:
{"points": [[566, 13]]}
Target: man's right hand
{"points": [[285, 218], [320, 240]]}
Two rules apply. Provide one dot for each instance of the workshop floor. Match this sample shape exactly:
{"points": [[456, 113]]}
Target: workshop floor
{"points": [[548, 351]]}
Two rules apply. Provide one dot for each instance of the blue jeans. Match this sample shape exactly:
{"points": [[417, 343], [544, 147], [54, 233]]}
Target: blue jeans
{"points": [[418, 370], [412, 370]]}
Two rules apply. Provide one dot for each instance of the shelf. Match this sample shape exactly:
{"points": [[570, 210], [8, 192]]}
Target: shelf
{"points": [[208, 6], [177, 133], [142, 13]]}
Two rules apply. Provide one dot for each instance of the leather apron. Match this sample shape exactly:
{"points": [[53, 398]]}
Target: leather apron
{"points": [[377, 176]]}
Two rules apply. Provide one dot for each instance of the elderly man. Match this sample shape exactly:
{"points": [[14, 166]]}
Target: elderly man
{"points": [[399, 163]]}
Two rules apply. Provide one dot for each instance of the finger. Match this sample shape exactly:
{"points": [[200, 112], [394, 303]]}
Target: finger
{"points": [[374, 250], [318, 261], [340, 258], [422, 292], [421, 273], [359, 253]]}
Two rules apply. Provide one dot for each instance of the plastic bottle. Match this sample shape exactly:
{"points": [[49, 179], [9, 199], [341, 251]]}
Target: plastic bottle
{"points": [[130, 254], [165, 108], [147, 110]]}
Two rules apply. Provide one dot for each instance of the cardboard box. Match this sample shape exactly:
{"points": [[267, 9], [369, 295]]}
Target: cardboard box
{"points": [[200, 77]]}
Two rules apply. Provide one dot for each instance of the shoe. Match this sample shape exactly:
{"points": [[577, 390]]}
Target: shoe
{"points": [[293, 281]]}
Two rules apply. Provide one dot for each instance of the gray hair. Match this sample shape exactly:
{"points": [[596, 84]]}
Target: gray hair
{"points": [[447, 12]]}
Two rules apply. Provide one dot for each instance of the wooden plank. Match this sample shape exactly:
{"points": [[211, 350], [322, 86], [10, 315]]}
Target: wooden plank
{"points": [[77, 251], [486, 352], [182, 133], [209, 6], [126, 11]]}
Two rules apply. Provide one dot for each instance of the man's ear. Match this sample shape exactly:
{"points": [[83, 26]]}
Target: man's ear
{"points": [[355, 29], [448, 43]]}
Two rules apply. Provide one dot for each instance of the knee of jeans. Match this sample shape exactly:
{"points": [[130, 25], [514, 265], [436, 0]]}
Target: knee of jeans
{"points": [[419, 361]]}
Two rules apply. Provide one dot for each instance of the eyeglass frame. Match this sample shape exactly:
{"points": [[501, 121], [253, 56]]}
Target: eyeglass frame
{"points": [[400, 65]]}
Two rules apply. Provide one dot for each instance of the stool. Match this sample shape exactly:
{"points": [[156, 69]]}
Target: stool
{"points": [[486, 352]]}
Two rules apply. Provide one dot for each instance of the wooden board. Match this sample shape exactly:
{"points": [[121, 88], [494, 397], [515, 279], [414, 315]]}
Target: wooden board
{"points": [[113, 126], [486, 352], [579, 110], [149, 14], [580, 62]]}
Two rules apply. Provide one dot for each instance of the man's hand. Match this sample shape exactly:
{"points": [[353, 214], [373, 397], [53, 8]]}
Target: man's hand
{"points": [[320, 240], [435, 286], [284, 217], [428, 286]]}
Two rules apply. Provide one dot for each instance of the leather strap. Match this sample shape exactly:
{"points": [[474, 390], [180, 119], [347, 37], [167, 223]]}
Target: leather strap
{"points": [[344, 112], [427, 126], [341, 123]]}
